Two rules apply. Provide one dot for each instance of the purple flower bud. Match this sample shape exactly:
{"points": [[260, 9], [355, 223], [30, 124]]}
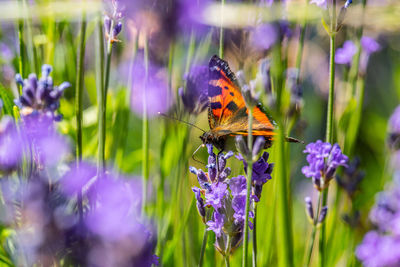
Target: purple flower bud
{"points": [[309, 208], [199, 201], [107, 24], [241, 146], [18, 79], [212, 172], [258, 145], [63, 86], [46, 69], [117, 29], [322, 214], [224, 174]]}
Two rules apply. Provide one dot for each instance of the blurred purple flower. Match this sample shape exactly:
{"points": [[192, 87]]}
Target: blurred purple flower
{"points": [[378, 250], [369, 45], [49, 146], [149, 90], [345, 54], [5, 52], [238, 187], [11, 147], [394, 129], [263, 37], [190, 17], [320, 3], [217, 224], [195, 98], [323, 160], [77, 177], [117, 202], [40, 95]]}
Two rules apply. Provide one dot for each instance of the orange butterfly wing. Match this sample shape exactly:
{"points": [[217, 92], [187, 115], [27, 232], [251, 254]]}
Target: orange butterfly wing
{"points": [[227, 113]]}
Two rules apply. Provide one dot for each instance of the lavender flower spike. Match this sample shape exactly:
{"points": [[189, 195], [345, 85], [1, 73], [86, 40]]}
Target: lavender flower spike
{"points": [[40, 96], [323, 160]]}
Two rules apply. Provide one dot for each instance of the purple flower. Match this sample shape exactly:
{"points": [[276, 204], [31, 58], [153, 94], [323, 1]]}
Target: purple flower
{"points": [[394, 129], [217, 224], [114, 21], [378, 250], [77, 177], [216, 196], [345, 54], [320, 3], [263, 37], [369, 45], [195, 98], [190, 17], [261, 173], [199, 201], [323, 160], [11, 147], [40, 96], [149, 89], [238, 186], [49, 147]]}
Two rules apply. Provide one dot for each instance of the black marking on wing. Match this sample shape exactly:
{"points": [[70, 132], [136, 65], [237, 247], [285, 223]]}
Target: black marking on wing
{"points": [[215, 63], [215, 105], [232, 106], [214, 90], [231, 93]]}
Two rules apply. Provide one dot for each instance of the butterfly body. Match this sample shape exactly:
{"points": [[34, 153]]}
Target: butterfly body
{"points": [[227, 111]]}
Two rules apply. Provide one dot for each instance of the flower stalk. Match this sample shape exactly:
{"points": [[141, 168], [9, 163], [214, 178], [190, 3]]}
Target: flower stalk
{"points": [[78, 102], [249, 179], [145, 129], [100, 96]]}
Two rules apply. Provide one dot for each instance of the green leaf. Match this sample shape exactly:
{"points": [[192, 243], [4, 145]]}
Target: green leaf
{"points": [[7, 100]]}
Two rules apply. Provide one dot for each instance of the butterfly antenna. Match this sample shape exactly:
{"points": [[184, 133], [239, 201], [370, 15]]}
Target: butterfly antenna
{"points": [[185, 122], [200, 146]]}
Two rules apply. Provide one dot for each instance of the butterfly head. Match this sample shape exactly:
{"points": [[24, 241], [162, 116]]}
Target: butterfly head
{"points": [[210, 138]]}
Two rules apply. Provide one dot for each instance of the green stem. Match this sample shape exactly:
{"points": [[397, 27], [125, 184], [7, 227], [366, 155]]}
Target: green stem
{"points": [[205, 237], [78, 102], [249, 177], [221, 32], [100, 95], [329, 121], [254, 233], [21, 60], [285, 251], [313, 232], [228, 251], [145, 130]]}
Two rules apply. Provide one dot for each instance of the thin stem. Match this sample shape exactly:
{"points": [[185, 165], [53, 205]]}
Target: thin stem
{"points": [[100, 95], [249, 177], [254, 233], [228, 251], [221, 32], [329, 121], [21, 60], [78, 102], [313, 232], [284, 218], [204, 243], [145, 130]]}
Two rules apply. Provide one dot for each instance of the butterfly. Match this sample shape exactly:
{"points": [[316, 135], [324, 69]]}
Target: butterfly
{"points": [[227, 111]]}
